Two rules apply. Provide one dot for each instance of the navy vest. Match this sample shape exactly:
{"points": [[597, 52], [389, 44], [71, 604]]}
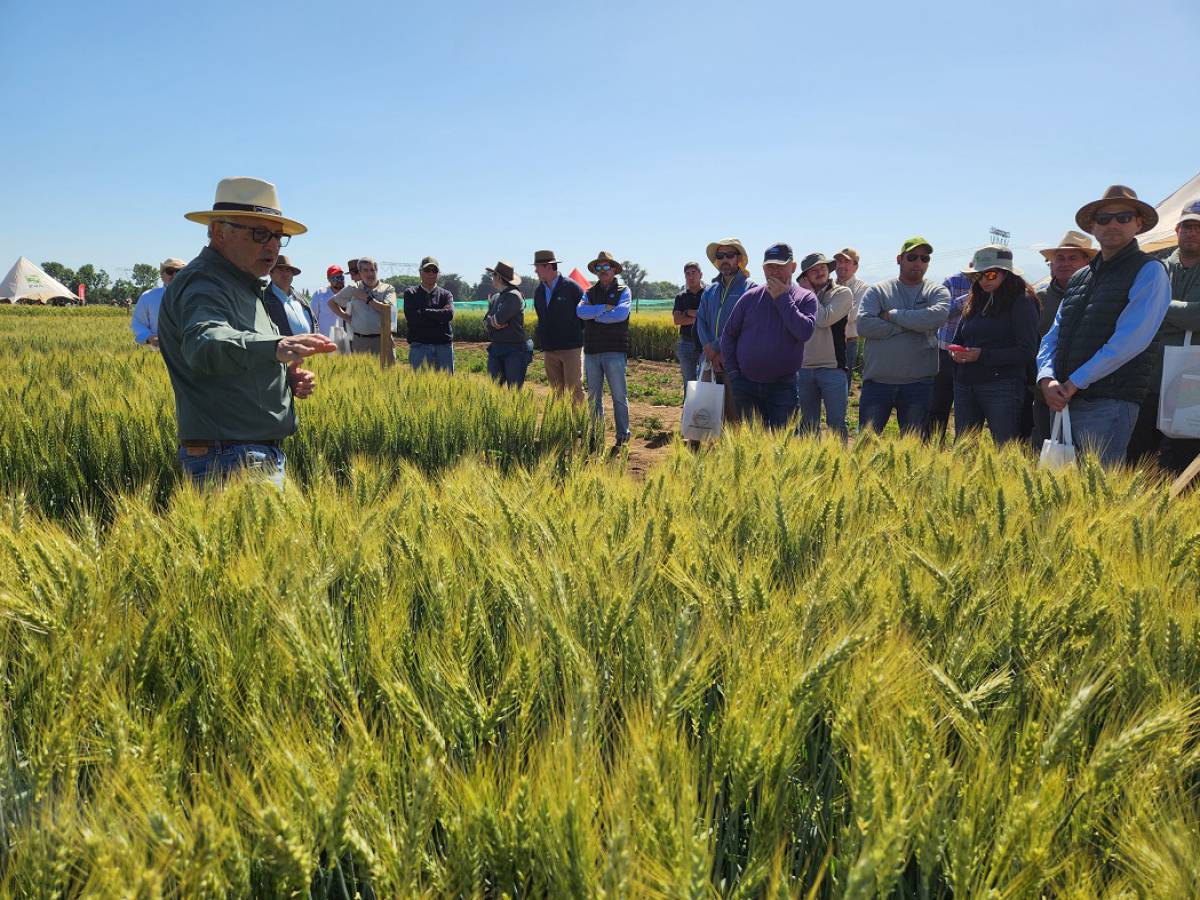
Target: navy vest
{"points": [[605, 338], [558, 327]]}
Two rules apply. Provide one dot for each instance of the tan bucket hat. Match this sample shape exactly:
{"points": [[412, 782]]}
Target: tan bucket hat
{"points": [[1118, 193], [242, 197], [506, 273], [728, 242], [605, 257], [1072, 240], [282, 262], [993, 256]]}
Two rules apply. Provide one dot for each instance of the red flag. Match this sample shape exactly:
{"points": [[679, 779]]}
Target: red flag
{"points": [[82, 291], [580, 279]]}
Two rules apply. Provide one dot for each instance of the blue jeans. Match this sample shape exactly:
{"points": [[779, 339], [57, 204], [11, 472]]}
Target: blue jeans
{"points": [[597, 368], [910, 401], [814, 386], [772, 402], [688, 355], [439, 357], [219, 462], [999, 403], [508, 363], [1103, 427]]}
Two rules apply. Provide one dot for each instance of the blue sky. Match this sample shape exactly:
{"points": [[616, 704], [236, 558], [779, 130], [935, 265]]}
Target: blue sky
{"points": [[479, 131]]}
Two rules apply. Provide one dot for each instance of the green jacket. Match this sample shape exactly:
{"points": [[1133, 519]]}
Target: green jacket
{"points": [[218, 343], [1182, 315]]}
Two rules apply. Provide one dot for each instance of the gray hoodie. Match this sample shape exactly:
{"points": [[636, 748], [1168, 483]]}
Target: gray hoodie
{"points": [[904, 348], [833, 304]]}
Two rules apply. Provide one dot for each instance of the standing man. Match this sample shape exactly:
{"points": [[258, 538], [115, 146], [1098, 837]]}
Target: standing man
{"points": [[559, 328], [716, 305], [1183, 315], [290, 313], [899, 319], [821, 379], [367, 307], [234, 377], [846, 261], [605, 314], [687, 303], [762, 343], [1073, 252], [429, 314], [1097, 356], [326, 317], [145, 313]]}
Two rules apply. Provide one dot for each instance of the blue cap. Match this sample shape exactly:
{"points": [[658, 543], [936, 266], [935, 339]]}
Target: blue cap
{"points": [[778, 253]]}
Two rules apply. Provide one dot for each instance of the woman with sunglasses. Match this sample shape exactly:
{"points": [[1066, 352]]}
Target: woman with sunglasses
{"points": [[993, 345]]}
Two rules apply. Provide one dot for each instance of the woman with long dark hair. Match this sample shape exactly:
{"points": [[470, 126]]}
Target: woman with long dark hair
{"points": [[993, 344]]}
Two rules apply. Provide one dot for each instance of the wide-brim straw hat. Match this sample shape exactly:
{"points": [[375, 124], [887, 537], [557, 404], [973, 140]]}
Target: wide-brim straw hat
{"points": [[992, 257], [1072, 240], [1118, 193], [712, 248], [605, 257], [240, 198], [506, 273], [282, 262]]}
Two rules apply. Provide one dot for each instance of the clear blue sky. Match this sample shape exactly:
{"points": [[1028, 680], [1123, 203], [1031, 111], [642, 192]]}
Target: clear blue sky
{"points": [[478, 131]]}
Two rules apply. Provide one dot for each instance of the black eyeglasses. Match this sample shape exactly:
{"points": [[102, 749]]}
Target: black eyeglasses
{"points": [[169, 271], [1104, 218], [913, 257], [727, 254], [261, 235]]}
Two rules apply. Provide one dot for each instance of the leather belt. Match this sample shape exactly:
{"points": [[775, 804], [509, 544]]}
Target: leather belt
{"points": [[356, 334]]}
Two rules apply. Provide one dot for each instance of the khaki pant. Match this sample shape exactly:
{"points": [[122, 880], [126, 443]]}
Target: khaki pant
{"points": [[364, 345], [564, 371]]}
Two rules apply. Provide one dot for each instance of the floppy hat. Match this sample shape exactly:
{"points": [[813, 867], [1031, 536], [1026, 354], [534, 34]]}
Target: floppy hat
{"points": [[545, 258], [730, 242], [171, 262], [242, 197], [814, 259], [604, 257], [505, 272], [334, 272], [993, 256], [282, 262], [913, 243], [1118, 193], [849, 252], [1072, 240], [1190, 213]]}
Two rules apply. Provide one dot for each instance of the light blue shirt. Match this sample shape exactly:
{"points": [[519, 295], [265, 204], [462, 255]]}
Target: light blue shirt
{"points": [[326, 317], [600, 312], [294, 310], [145, 315], [1137, 325]]}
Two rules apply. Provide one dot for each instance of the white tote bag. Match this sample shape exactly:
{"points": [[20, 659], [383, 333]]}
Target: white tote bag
{"points": [[1179, 393], [1059, 451], [340, 336], [703, 407]]}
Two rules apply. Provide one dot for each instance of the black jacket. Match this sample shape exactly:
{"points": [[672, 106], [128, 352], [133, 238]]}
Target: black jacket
{"points": [[428, 316], [558, 327], [279, 315]]}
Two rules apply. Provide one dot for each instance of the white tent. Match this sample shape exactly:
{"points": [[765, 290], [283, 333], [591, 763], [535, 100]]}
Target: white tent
{"points": [[26, 281], [1162, 235]]}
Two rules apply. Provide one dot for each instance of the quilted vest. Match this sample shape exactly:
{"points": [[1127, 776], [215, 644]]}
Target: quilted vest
{"points": [[605, 338]]}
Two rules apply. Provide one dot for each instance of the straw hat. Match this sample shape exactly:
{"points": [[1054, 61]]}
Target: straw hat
{"points": [[712, 248], [604, 257], [1072, 240], [993, 256], [246, 197], [1118, 193], [506, 273], [282, 262]]}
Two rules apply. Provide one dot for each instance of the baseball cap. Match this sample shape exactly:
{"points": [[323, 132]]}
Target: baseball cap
{"points": [[914, 242], [1191, 212], [430, 261], [333, 271], [849, 252], [778, 254]]}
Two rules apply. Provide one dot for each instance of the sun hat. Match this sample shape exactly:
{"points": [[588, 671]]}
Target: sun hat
{"points": [[171, 262], [506, 273], [334, 272], [282, 262], [993, 256], [545, 258], [1118, 193], [429, 261], [1190, 213], [849, 252], [242, 197], [729, 242], [604, 257], [814, 259], [913, 243], [1072, 240]]}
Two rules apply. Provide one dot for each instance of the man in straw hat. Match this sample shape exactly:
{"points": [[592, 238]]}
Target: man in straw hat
{"points": [[368, 308], [1073, 252], [822, 381], [1096, 356], [716, 305], [234, 377], [604, 310], [559, 328], [145, 312], [288, 311], [1183, 315]]}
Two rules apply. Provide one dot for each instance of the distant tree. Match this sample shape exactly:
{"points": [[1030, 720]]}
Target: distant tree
{"points": [[403, 282], [124, 292], [660, 290], [456, 285], [634, 277], [529, 284], [483, 289], [61, 274], [145, 276], [96, 282]]}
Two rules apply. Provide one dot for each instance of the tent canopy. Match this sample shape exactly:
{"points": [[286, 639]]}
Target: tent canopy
{"points": [[1162, 235], [27, 281]]}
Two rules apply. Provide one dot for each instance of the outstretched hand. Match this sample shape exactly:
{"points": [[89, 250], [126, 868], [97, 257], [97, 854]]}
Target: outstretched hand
{"points": [[299, 346]]}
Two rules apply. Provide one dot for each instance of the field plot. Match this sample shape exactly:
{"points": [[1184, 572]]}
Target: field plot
{"points": [[772, 668]]}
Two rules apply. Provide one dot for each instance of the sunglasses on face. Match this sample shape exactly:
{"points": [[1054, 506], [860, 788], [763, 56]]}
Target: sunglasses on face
{"points": [[604, 267], [1104, 218], [261, 235], [913, 257], [169, 271], [727, 254], [429, 271]]}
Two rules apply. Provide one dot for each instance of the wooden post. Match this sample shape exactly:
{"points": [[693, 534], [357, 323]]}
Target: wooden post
{"points": [[1183, 480], [387, 349]]}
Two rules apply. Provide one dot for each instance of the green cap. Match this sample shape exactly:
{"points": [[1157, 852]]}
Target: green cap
{"points": [[914, 242], [430, 261]]}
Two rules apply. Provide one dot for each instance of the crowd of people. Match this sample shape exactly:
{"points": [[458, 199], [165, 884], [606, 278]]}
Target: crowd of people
{"points": [[983, 343]]}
